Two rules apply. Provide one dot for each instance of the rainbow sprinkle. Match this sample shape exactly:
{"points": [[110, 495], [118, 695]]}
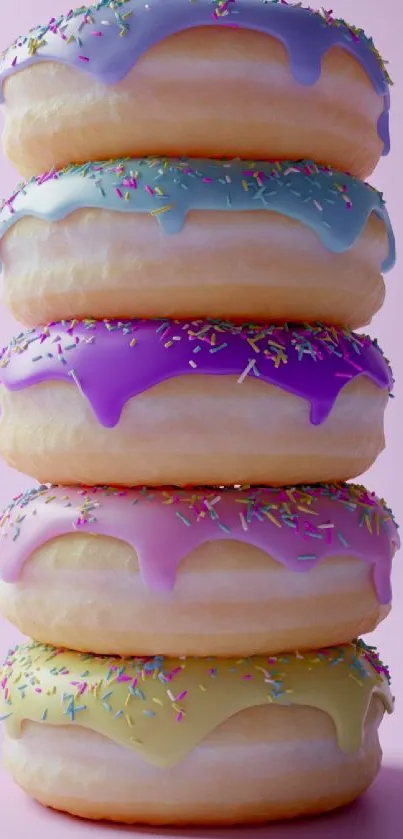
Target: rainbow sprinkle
{"points": [[35, 40], [292, 506], [102, 693]]}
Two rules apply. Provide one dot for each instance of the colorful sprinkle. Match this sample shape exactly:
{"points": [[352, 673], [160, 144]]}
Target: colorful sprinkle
{"points": [[236, 686], [66, 36], [312, 358], [297, 526], [169, 189]]}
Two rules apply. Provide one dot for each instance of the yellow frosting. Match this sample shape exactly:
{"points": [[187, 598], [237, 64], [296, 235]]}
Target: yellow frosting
{"points": [[163, 708]]}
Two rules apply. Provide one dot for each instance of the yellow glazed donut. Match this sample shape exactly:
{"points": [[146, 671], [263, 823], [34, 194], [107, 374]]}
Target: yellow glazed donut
{"points": [[234, 572], [196, 238], [171, 741], [199, 402], [208, 79]]}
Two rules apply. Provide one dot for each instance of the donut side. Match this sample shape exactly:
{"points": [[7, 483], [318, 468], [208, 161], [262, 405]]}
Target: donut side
{"points": [[301, 403], [173, 434], [303, 81], [179, 721], [243, 772], [219, 267], [335, 121], [87, 593]]}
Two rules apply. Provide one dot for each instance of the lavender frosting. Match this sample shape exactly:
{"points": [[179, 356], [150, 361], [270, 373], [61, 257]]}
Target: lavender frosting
{"points": [[107, 39], [298, 526], [334, 205], [113, 361]]}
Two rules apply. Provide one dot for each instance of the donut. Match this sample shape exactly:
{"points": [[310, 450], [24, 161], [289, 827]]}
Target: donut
{"points": [[210, 79], [178, 238], [237, 572], [160, 402], [188, 740]]}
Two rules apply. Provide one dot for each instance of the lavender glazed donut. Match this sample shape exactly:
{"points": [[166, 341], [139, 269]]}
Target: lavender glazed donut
{"points": [[194, 741], [124, 77], [198, 402], [237, 572], [196, 238]]}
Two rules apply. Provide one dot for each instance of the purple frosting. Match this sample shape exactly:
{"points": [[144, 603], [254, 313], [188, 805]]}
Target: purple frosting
{"points": [[113, 361], [106, 40]]}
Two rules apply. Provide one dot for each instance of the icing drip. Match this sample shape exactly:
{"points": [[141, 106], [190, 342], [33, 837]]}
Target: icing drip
{"points": [[163, 708], [297, 526], [112, 361], [107, 39], [335, 205]]}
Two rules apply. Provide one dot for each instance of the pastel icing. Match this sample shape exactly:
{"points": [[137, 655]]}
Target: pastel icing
{"points": [[163, 708], [297, 526], [113, 361], [334, 205], [107, 39]]}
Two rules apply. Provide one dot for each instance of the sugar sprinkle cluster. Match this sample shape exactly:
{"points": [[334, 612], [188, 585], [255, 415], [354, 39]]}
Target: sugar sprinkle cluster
{"points": [[294, 507], [24, 666], [125, 19], [156, 176], [274, 343]]}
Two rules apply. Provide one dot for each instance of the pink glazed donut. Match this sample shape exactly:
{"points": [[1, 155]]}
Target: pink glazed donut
{"points": [[188, 572], [199, 402], [207, 79]]}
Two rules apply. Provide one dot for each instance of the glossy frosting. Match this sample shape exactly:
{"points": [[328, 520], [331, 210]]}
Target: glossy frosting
{"points": [[297, 526], [336, 206], [113, 361], [163, 708], [107, 39]]}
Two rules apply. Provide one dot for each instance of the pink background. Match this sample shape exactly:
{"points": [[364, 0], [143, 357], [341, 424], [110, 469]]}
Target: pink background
{"points": [[377, 814]]}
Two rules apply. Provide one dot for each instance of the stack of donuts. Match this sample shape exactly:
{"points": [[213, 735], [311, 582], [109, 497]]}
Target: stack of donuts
{"points": [[193, 569]]}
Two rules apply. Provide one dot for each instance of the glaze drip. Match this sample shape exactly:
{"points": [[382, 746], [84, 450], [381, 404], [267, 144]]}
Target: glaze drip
{"points": [[107, 39], [297, 526], [111, 362], [163, 708], [334, 205]]}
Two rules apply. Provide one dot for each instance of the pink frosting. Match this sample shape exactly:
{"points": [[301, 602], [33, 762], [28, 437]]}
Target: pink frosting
{"points": [[298, 527]]}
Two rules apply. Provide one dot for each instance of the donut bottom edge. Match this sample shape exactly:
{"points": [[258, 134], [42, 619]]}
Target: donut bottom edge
{"points": [[244, 772]]}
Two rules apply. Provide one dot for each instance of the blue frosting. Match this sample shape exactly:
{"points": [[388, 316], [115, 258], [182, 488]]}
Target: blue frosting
{"points": [[126, 29], [335, 205]]}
